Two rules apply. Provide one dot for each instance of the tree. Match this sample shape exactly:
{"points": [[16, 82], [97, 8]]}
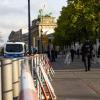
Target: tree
{"points": [[79, 20]]}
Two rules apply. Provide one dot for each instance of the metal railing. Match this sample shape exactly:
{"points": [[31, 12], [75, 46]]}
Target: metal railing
{"points": [[31, 75]]}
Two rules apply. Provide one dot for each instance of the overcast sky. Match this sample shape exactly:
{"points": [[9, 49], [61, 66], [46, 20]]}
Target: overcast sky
{"points": [[13, 13]]}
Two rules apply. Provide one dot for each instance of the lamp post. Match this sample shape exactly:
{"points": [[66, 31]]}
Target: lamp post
{"points": [[29, 29], [29, 35], [41, 41], [41, 31]]}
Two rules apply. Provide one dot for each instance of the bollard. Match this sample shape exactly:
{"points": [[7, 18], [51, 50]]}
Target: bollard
{"points": [[32, 62], [15, 71], [7, 87], [36, 61], [20, 64], [20, 72], [0, 83]]}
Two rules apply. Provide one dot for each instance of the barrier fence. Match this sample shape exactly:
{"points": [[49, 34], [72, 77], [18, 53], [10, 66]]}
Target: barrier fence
{"points": [[27, 78], [0, 83]]}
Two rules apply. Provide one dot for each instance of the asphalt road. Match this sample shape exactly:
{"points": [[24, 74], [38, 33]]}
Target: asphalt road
{"points": [[71, 82]]}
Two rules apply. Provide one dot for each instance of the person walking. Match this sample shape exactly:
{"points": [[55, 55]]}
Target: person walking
{"points": [[98, 51], [72, 52], [53, 55], [87, 48]]}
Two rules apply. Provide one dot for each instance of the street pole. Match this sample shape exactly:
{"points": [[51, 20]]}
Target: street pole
{"points": [[29, 35], [41, 41], [29, 29]]}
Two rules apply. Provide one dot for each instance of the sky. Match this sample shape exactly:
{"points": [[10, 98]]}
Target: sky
{"points": [[14, 16]]}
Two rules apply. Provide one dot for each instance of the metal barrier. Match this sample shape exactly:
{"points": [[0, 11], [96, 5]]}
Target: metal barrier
{"points": [[10, 78], [0, 83], [7, 80], [15, 71], [27, 78], [43, 72], [28, 91]]}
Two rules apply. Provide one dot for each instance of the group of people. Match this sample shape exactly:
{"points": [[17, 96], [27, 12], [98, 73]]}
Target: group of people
{"points": [[86, 52], [52, 54]]}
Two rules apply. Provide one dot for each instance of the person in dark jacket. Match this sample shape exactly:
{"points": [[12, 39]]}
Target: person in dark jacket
{"points": [[87, 54], [99, 51], [72, 52], [53, 55]]}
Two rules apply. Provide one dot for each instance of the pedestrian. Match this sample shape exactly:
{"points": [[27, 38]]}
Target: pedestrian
{"points": [[78, 53], [99, 51], [48, 53], [87, 48], [56, 53], [72, 52], [68, 58], [53, 55]]}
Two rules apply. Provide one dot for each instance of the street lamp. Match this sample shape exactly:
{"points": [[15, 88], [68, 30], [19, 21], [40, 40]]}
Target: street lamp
{"points": [[29, 29], [41, 41]]}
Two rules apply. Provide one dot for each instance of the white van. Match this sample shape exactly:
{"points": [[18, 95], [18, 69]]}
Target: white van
{"points": [[14, 49]]}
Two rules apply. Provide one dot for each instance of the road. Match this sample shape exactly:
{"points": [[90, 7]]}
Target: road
{"points": [[71, 82]]}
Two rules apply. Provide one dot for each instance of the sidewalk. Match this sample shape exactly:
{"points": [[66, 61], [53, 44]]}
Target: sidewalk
{"points": [[71, 82]]}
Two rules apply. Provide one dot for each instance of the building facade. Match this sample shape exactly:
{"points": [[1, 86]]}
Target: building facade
{"points": [[15, 36], [41, 28]]}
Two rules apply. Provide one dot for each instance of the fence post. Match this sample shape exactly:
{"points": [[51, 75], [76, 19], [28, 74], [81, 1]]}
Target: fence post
{"points": [[15, 71], [0, 83], [7, 87]]}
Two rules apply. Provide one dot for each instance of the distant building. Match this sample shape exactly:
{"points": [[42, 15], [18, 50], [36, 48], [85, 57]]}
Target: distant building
{"points": [[15, 36], [41, 28]]}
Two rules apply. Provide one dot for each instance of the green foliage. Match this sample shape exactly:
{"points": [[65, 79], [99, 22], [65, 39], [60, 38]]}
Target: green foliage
{"points": [[79, 20]]}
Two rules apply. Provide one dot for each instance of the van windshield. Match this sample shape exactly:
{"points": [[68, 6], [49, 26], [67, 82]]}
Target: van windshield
{"points": [[14, 48]]}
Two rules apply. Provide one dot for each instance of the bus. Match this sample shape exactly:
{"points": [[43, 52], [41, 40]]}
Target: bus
{"points": [[14, 49]]}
